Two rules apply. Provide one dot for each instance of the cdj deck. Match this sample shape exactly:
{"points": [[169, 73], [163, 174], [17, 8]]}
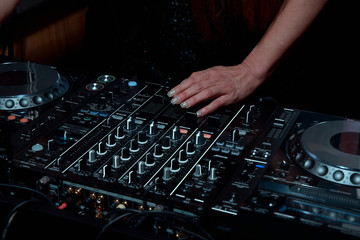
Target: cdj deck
{"points": [[113, 156]]}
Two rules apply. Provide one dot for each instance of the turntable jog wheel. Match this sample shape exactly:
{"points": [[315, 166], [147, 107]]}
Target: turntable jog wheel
{"points": [[329, 150], [26, 85]]}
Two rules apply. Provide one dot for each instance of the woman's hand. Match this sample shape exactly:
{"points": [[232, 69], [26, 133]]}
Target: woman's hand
{"points": [[225, 85]]}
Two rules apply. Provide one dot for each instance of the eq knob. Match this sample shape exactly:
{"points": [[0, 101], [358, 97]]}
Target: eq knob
{"points": [[110, 140], [134, 146], [149, 160], [142, 138], [174, 165], [190, 148], [119, 133], [125, 154], [158, 152], [182, 156], [101, 149]]}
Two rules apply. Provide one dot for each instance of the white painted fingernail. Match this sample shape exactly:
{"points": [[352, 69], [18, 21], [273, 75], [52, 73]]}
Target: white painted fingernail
{"points": [[175, 100], [199, 113], [184, 104], [171, 93]]}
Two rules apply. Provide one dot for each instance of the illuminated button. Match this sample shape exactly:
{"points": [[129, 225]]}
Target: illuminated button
{"points": [[24, 120], [132, 84], [37, 147], [11, 117], [183, 131]]}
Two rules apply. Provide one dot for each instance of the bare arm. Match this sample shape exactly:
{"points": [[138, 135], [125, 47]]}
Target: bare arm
{"points": [[227, 85], [6, 7]]}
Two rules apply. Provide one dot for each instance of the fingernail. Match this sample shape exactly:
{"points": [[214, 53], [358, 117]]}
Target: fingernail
{"points": [[175, 100], [171, 93], [184, 104], [199, 113]]}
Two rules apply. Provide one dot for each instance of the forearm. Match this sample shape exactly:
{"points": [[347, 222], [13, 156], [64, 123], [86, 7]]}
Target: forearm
{"points": [[290, 23], [6, 7]]}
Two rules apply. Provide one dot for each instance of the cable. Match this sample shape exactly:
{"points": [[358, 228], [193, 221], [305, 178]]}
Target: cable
{"points": [[176, 216], [29, 190], [204, 235], [10, 217], [162, 186]]}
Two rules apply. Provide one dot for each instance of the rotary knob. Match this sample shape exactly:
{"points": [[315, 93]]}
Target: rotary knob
{"points": [[149, 160], [130, 125], [134, 146], [119, 133], [116, 161], [199, 138], [175, 133], [182, 156], [152, 128], [158, 151], [91, 156], [110, 140], [174, 165], [125, 154]]}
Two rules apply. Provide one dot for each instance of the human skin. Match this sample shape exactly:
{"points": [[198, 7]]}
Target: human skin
{"points": [[230, 84]]}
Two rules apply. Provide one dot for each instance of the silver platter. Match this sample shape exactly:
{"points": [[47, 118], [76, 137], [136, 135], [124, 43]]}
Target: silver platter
{"points": [[26, 85], [329, 150]]}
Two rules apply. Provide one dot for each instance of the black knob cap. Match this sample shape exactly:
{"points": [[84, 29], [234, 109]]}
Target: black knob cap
{"points": [[119, 133], [149, 160], [175, 133], [158, 151], [142, 138], [182, 156], [125, 154], [110, 140], [165, 142], [199, 138], [101, 150], [174, 165], [134, 146]]}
